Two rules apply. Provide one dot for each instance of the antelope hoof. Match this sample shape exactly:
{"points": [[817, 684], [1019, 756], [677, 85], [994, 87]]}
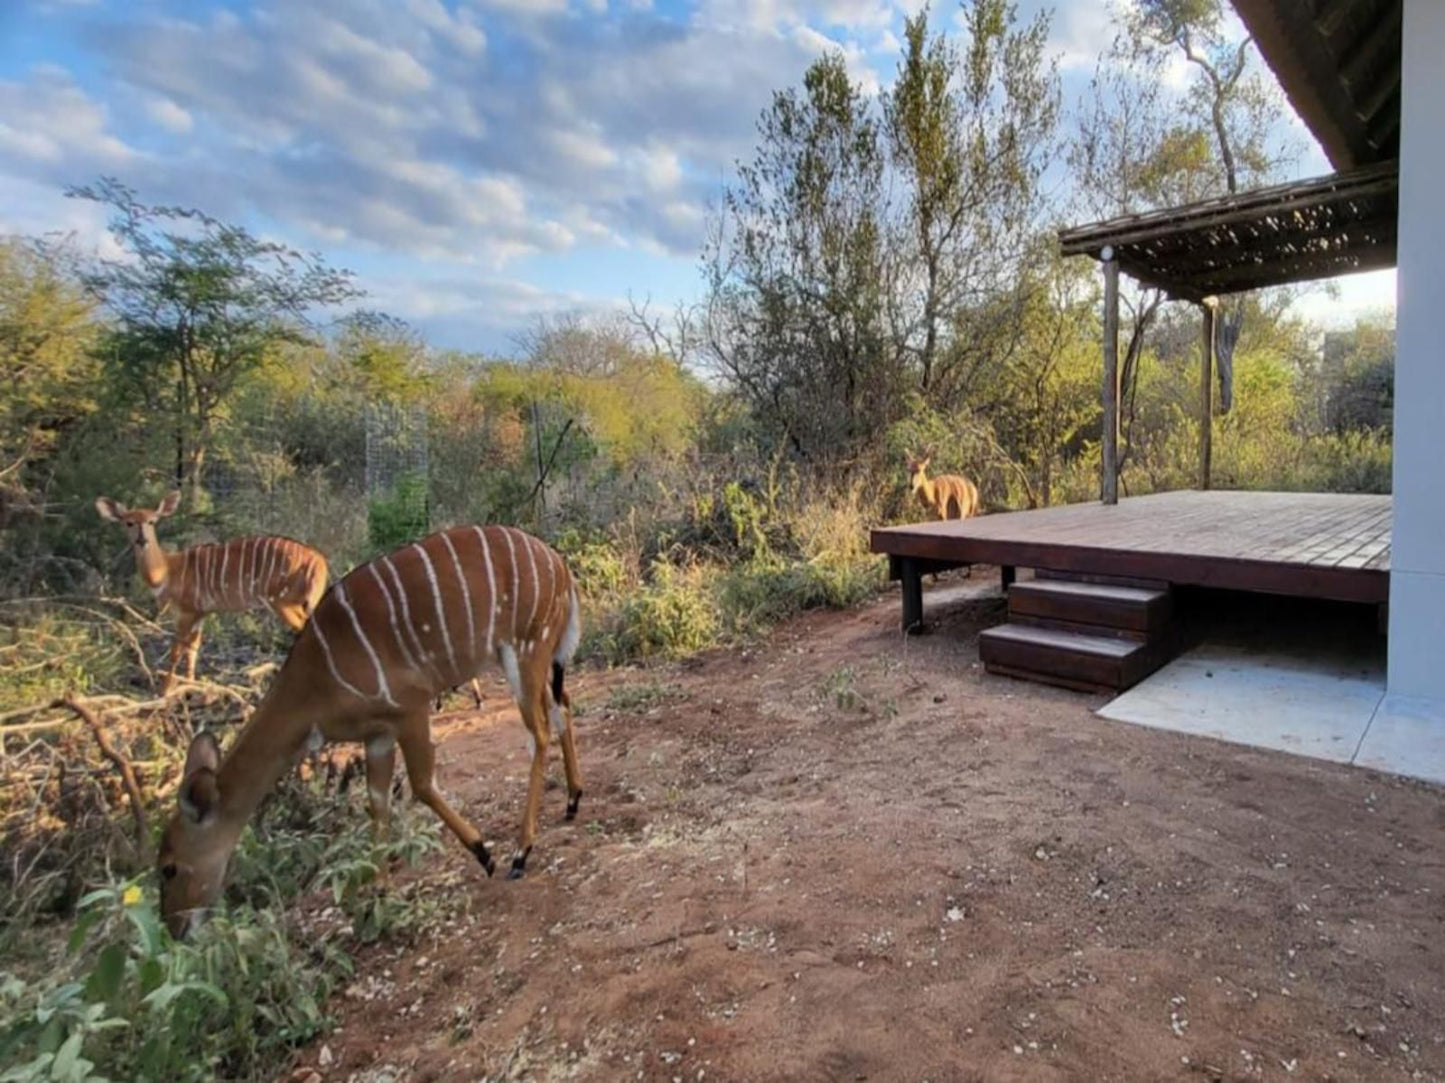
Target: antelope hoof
{"points": [[572, 803], [484, 856], [519, 865]]}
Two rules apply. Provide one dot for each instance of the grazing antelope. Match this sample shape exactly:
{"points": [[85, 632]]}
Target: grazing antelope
{"points": [[383, 642], [245, 573], [949, 495]]}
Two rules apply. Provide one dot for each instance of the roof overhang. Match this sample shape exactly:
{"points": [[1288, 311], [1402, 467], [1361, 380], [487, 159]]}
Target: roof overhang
{"points": [[1297, 232], [1338, 61]]}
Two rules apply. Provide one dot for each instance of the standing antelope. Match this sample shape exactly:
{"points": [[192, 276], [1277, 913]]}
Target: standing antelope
{"points": [[245, 573], [382, 644], [951, 496]]}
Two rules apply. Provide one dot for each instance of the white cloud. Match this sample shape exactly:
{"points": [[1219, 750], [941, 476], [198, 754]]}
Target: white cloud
{"points": [[465, 133], [1081, 32], [169, 115], [524, 7], [49, 122], [582, 149]]}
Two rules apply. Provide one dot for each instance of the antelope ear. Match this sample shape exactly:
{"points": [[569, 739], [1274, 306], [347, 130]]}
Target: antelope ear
{"points": [[199, 795], [169, 505], [109, 509]]}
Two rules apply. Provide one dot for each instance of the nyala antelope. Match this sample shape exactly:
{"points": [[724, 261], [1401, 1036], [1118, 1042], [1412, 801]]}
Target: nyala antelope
{"points": [[383, 643], [245, 573], [949, 496]]}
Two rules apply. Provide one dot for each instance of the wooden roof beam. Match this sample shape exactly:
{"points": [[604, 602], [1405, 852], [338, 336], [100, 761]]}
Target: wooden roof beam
{"points": [[1331, 15], [1243, 278], [1148, 276], [1386, 87], [1383, 38], [1217, 213]]}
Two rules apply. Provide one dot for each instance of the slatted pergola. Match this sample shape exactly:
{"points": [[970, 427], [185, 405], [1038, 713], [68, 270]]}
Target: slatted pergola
{"points": [[1298, 232]]}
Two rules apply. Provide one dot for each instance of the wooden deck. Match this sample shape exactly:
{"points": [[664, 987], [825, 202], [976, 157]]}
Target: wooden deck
{"points": [[1315, 545]]}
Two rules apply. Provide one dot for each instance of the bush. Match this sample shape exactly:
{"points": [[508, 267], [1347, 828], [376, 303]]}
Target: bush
{"points": [[673, 615], [399, 517], [231, 1002]]}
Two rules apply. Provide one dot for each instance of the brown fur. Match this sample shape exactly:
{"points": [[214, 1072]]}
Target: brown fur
{"points": [[383, 643], [949, 496], [254, 572]]}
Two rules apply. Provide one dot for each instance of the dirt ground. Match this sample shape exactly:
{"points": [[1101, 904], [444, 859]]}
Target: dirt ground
{"points": [[841, 856]]}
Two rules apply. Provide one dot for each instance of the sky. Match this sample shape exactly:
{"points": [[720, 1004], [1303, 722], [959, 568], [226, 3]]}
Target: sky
{"points": [[476, 162]]}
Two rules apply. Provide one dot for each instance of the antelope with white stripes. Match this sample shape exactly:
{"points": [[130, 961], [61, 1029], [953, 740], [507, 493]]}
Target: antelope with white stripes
{"points": [[383, 643], [257, 571]]}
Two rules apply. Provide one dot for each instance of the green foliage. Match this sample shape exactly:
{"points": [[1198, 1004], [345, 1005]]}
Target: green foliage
{"points": [[1359, 366], [800, 261], [235, 998], [673, 615], [48, 332], [200, 304], [873, 248], [140, 1006], [400, 516]]}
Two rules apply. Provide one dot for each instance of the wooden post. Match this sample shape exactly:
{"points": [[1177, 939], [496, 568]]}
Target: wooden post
{"points": [[541, 470], [1206, 392], [1110, 447], [911, 581]]}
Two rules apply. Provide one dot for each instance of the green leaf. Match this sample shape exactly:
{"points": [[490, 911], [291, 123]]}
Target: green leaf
{"points": [[151, 974], [94, 897], [149, 929], [83, 925], [162, 997], [109, 972], [67, 1058], [25, 1073]]}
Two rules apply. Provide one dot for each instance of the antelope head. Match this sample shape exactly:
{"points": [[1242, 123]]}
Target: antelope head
{"points": [[918, 469], [197, 844], [139, 523]]}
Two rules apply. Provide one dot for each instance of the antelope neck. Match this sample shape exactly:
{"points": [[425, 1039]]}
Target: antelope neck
{"points": [[151, 560], [265, 749]]}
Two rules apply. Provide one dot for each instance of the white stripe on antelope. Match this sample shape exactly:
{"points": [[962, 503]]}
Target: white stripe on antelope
{"points": [[218, 578], [364, 670]]}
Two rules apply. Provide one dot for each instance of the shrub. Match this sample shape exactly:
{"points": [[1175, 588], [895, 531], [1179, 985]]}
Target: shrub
{"points": [[129, 1002], [673, 615], [400, 516]]}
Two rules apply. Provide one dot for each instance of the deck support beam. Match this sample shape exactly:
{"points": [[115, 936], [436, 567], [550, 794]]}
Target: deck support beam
{"points": [[910, 577], [1109, 492], [1206, 391]]}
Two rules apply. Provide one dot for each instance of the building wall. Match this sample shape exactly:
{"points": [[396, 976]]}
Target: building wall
{"points": [[1417, 581]]}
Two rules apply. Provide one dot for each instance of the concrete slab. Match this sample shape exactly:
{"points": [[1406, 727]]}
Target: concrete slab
{"points": [[1314, 703], [1407, 737]]}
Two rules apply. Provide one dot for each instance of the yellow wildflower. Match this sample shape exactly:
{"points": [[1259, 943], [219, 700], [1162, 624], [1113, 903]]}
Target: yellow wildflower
{"points": [[131, 895]]}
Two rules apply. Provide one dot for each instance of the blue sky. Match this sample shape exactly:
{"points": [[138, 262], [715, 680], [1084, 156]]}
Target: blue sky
{"points": [[477, 162]]}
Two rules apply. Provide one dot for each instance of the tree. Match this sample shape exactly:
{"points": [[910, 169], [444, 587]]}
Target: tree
{"points": [[1223, 134], [1359, 374], [48, 331], [1046, 392], [382, 357], [970, 134], [798, 272], [200, 304]]}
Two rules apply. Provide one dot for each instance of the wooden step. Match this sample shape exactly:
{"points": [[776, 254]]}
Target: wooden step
{"points": [[1103, 580], [1088, 662], [1060, 602]]}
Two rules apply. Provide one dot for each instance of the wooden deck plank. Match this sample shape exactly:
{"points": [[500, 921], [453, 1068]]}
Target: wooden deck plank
{"points": [[1329, 545]]}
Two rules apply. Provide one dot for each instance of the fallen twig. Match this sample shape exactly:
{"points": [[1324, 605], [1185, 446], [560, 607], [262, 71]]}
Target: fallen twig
{"points": [[123, 765]]}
